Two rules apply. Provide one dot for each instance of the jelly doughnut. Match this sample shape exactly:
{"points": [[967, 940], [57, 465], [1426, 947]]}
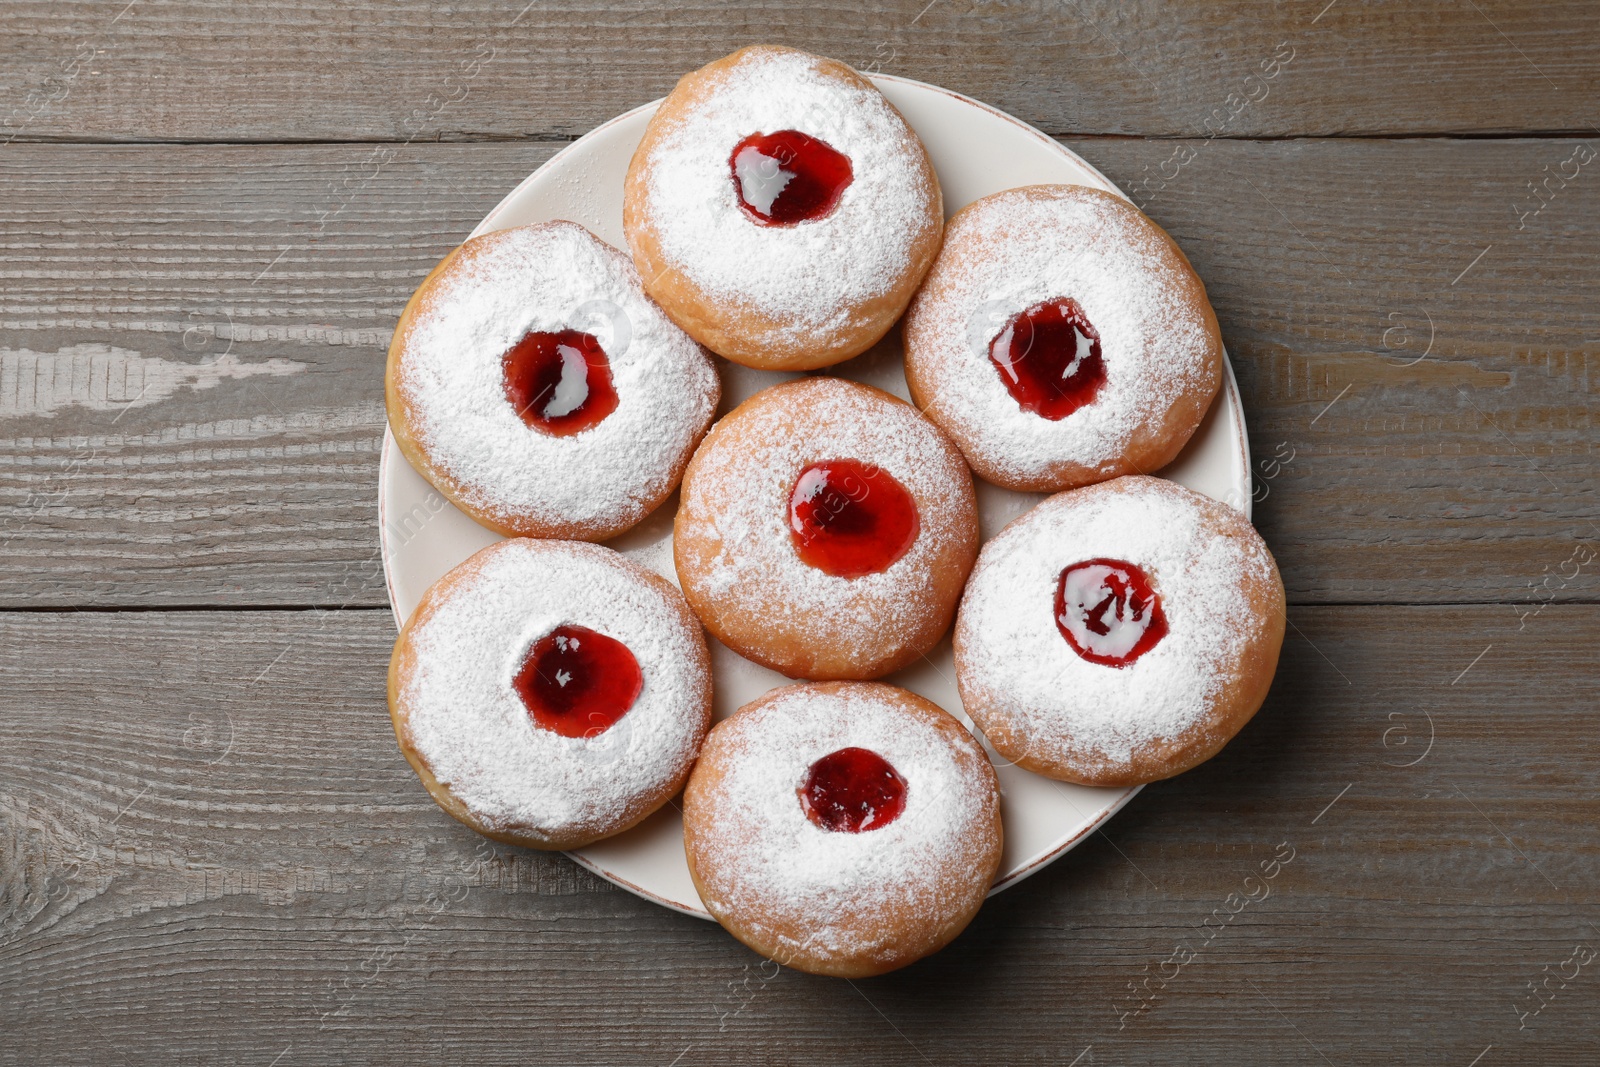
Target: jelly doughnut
{"points": [[842, 828], [825, 529], [550, 693], [1061, 339], [1119, 633], [536, 386], [781, 210]]}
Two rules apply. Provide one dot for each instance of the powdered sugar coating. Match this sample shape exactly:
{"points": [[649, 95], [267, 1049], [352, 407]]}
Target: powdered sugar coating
{"points": [[813, 276], [1010, 251], [737, 559], [550, 277], [469, 726], [802, 890], [1018, 675]]}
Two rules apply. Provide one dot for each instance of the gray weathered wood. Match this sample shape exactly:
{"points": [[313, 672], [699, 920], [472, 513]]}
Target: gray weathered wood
{"points": [[192, 70], [215, 320], [212, 851]]}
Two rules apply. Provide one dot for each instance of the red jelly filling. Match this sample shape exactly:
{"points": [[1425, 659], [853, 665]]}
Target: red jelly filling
{"points": [[559, 382], [1049, 359], [849, 519], [787, 177], [1109, 612], [577, 682], [852, 790]]}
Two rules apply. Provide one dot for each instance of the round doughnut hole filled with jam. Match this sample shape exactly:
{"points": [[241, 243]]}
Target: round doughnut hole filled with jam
{"points": [[1049, 359], [788, 177], [852, 791], [851, 519], [1109, 611], [578, 682], [559, 382]]}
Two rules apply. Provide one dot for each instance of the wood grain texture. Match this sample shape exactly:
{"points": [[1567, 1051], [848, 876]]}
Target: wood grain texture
{"points": [[191, 70], [212, 851], [192, 342]]}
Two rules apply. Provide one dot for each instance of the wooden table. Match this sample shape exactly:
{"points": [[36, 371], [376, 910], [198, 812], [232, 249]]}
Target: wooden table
{"points": [[210, 848]]}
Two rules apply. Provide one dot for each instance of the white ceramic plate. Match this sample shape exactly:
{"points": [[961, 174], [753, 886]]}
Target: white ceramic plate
{"points": [[977, 151]]}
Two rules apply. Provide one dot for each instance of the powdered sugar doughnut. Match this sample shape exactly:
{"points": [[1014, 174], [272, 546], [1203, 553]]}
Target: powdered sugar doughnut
{"points": [[1061, 339], [1120, 633], [781, 210], [825, 529], [534, 384], [843, 828], [550, 693]]}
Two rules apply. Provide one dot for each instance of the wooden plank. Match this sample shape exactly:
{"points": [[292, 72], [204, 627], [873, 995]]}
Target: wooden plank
{"points": [[194, 339], [212, 851], [190, 70], [195, 344]]}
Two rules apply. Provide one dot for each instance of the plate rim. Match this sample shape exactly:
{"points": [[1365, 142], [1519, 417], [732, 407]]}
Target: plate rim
{"points": [[1228, 393]]}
